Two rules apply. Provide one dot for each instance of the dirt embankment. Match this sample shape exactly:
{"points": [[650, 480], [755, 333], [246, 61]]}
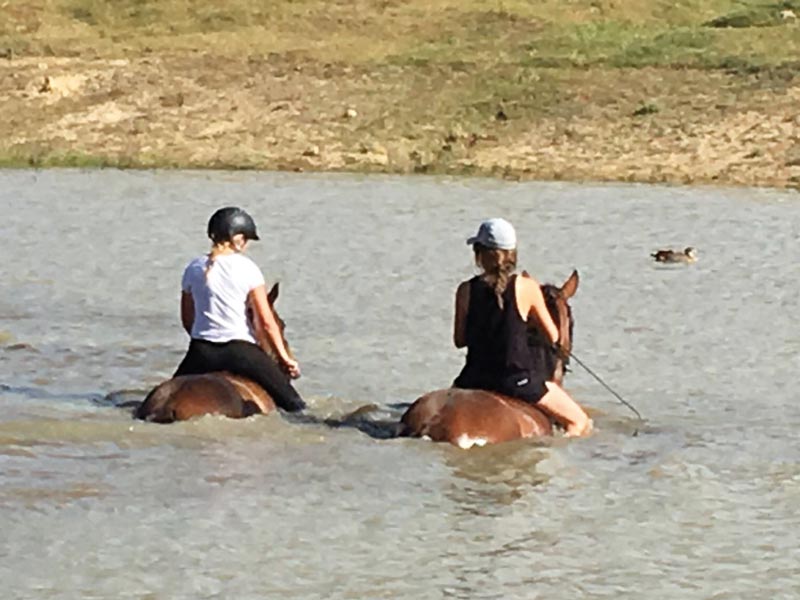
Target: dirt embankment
{"points": [[201, 111]]}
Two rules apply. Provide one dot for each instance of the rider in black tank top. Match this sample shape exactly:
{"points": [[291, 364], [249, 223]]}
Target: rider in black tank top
{"points": [[487, 321], [499, 358]]}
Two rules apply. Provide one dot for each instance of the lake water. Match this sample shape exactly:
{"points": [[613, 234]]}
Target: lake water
{"points": [[703, 503]]}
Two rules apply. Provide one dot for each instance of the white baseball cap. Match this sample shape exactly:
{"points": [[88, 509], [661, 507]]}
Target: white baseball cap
{"points": [[495, 233]]}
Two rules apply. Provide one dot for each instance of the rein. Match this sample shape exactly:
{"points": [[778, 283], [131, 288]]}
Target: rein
{"points": [[608, 387], [551, 300]]}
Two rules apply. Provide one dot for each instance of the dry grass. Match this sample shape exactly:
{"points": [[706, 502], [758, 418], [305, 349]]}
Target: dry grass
{"points": [[435, 82]]}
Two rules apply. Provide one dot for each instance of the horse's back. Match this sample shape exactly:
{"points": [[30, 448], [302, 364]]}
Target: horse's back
{"points": [[188, 396], [468, 418]]}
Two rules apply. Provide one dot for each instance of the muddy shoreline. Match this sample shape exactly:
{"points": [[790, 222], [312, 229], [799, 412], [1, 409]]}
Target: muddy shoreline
{"points": [[197, 110]]}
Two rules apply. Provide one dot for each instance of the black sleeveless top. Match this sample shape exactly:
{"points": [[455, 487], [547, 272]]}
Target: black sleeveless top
{"points": [[499, 357]]}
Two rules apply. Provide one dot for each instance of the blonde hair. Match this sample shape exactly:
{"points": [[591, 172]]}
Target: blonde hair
{"points": [[217, 249], [498, 266]]}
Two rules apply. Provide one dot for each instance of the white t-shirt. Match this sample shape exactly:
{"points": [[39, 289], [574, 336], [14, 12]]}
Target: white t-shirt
{"points": [[220, 298]]}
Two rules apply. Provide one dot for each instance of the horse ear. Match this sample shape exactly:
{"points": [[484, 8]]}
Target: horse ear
{"points": [[526, 274], [273, 294], [570, 285]]}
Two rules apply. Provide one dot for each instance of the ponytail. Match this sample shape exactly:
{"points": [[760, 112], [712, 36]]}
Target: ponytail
{"points": [[498, 266], [216, 250]]}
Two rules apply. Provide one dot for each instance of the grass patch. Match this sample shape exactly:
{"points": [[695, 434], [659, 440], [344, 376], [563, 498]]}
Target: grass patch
{"points": [[755, 15], [578, 34], [40, 157], [444, 81], [646, 108]]}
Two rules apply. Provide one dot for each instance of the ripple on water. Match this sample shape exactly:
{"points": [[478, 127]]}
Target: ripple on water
{"points": [[700, 504]]}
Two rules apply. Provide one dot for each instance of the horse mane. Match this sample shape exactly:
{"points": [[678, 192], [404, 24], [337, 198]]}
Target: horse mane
{"points": [[552, 296]]}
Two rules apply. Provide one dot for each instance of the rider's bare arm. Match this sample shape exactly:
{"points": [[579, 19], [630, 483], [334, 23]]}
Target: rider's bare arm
{"points": [[258, 299], [187, 311], [460, 322], [531, 302]]}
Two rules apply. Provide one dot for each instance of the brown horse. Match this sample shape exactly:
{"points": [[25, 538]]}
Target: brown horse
{"points": [[219, 393], [467, 418]]}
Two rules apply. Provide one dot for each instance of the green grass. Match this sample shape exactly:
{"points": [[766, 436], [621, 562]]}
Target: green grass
{"points": [[39, 158], [416, 70], [631, 33]]}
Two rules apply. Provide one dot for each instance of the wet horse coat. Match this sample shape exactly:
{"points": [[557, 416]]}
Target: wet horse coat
{"points": [[467, 418], [218, 393]]}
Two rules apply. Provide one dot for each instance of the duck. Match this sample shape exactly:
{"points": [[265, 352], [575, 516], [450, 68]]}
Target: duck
{"points": [[689, 255]]}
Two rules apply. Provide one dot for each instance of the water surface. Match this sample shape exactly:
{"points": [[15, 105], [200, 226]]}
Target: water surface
{"points": [[701, 504]]}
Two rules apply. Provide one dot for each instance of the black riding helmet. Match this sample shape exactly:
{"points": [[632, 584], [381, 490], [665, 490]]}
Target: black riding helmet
{"points": [[228, 221]]}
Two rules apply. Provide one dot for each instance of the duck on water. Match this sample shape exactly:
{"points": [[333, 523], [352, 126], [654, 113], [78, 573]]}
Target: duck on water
{"points": [[687, 256]]}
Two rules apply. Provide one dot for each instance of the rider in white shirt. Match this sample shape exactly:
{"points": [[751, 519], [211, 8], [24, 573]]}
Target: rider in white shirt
{"points": [[217, 290], [218, 295]]}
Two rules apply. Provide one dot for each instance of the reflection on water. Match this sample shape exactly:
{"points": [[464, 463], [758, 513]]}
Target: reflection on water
{"points": [[699, 504], [490, 480]]}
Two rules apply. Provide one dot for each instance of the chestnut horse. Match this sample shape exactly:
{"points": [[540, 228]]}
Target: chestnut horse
{"points": [[218, 393], [467, 418]]}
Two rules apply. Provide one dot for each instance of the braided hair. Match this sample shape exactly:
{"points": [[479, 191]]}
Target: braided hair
{"points": [[498, 265]]}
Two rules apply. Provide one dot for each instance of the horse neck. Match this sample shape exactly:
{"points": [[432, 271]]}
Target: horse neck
{"points": [[558, 372], [561, 315]]}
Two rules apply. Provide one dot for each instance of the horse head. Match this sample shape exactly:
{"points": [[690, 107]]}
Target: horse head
{"points": [[557, 301]]}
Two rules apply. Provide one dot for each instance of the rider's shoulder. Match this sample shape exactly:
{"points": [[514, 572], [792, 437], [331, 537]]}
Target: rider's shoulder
{"points": [[525, 276], [237, 260], [198, 262], [244, 266], [463, 287], [239, 257], [246, 261], [526, 282], [463, 292]]}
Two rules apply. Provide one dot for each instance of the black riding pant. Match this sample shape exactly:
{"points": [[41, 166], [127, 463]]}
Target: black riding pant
{"points": [[525, 386], [245, 359]]}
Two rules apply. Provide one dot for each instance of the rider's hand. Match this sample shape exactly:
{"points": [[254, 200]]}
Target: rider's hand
{"points": [[559, 350], [292, 367]]}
